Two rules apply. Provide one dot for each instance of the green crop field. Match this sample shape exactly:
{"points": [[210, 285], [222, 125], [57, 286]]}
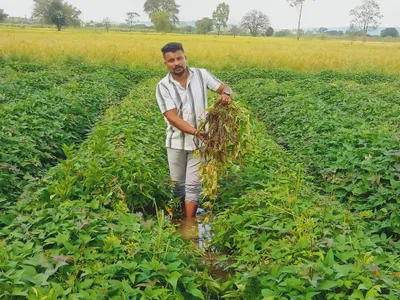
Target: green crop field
{"points": [[312, 211]]}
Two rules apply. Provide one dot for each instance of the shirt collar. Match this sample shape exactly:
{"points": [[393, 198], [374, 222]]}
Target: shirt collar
{"points": [[172, 80]]}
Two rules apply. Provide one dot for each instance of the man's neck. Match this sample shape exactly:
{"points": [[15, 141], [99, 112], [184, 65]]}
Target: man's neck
{"points": [[184, 76]]}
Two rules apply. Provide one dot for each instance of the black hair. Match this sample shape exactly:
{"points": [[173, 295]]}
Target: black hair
{"points": [[172, 47]]}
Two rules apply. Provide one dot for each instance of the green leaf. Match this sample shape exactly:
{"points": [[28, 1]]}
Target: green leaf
{"points": [[29, 272], [85, 284], [173, 279], [225, 285], [61, 238], [192, 288], [95, 204], [149, 291], [174, 266], [310, 295], [17, 291], [269, 293], [329, 258], [58, 289], [345, 256], [343, 270], [327, 284], [358, 295], [7, 219], [40, 279]]}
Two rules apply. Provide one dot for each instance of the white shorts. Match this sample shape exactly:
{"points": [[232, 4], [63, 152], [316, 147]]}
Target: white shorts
{"points": [[184, 170]]}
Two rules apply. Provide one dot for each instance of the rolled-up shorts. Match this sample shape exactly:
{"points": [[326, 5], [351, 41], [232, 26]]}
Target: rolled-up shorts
{"points": [[184, 170]]}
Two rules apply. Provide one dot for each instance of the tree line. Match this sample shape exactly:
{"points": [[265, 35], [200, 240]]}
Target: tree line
{"points": [[164, 15]]}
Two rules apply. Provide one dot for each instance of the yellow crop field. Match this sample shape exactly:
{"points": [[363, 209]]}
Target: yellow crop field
{"points": [[213, 52]]}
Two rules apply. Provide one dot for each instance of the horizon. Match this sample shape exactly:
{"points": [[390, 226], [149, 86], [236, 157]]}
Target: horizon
{"points": [[329, 15]]}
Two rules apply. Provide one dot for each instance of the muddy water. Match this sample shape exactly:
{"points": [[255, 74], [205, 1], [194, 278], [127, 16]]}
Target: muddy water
{"points": [[196, 231]]}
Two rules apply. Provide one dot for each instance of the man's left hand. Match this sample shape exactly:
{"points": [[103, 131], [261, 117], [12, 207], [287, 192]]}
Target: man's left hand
{"points": [[225, 99]]}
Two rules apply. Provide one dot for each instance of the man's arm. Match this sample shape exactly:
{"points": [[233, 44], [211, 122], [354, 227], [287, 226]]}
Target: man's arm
{"points": [[182, 125], [219, 87], [225, 94]]}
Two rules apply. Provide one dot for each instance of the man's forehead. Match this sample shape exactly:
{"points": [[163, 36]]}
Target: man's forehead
{"points": [[178, 53]]}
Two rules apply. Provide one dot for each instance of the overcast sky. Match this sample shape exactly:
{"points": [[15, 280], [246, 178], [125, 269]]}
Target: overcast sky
{"points": [[319, 13]]}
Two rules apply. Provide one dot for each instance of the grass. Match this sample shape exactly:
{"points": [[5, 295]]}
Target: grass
{"points": [[141, 50]]}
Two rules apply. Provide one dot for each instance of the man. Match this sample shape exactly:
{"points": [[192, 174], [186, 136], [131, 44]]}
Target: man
{"points": [[182, 98]]}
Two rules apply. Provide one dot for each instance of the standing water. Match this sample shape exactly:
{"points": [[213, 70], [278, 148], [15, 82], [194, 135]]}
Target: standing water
{"points": [[200, 234]]}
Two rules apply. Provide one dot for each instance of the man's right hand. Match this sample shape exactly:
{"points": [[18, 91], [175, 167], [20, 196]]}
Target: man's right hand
{"points": [[202, 135]]}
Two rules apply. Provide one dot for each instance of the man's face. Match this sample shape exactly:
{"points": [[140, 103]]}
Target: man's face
{"points": [[175, 62]]}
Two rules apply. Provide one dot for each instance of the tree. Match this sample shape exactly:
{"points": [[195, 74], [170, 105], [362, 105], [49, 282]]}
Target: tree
{"points": [[366, 16], [56, 12], [298, 4], [255, 21], [283, 33], [334, 32], [322, 30], [162, 21], [156, 6], [270, 31], [221, 16], [235, 30], [131, 19], [204, 26], [353, 32], [107, 24], [187, 29], [3, 15], [390, 31]]}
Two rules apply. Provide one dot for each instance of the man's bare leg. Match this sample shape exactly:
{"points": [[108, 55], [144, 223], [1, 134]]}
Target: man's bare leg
{"points": [[190, 209]]}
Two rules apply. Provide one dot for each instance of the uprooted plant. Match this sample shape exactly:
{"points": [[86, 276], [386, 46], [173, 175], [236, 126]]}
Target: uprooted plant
{"points": [[228, 138]]}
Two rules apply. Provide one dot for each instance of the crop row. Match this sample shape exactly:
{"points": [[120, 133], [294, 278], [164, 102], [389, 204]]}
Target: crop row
{"points": [[66, 243], [344, 132], [44, 107], [284, 239]]}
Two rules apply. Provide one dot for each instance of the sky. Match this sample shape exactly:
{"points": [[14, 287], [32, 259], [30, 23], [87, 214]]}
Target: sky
{"points": [[318, 13]]}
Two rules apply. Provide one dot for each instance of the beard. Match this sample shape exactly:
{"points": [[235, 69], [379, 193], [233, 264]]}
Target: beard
{"points": [[179, 71]]}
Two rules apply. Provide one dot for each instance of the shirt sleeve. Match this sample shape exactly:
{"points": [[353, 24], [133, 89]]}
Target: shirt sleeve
{"points": [[164, 99], [211, 81]]}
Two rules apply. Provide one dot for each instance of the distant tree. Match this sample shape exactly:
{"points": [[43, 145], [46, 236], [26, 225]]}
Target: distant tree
{"points": [[162, 21], [131, 19], [235, 30], [156, 6], [298, 4], [3, 15], [73, 15], [366, 16], [107, 24], [322, 30], [270, 31], [56, 12], [204, 26], [334, 32], [221, 16], [91, 23], [255, 21], [353, 32], [283, 33], [390, 31], [187, 29], [309, 33]]}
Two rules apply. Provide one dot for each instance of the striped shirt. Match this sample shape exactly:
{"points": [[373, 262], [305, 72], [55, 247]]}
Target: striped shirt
{"points": [[190, 103]]}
